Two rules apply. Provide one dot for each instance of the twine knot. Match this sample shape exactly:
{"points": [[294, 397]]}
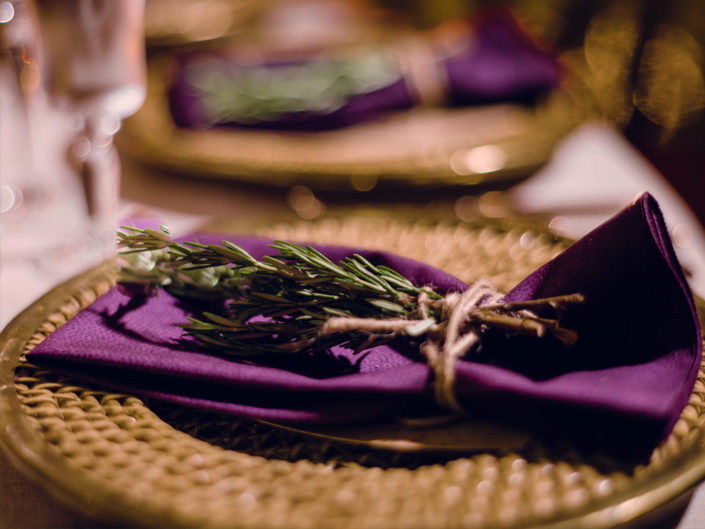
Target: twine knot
{"points": [[454, 332], [421, 70], [448, 343]]}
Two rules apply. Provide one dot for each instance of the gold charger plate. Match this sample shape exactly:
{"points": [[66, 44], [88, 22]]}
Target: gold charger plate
{"points": [[426, 146], [188, 22], [124, 461]]}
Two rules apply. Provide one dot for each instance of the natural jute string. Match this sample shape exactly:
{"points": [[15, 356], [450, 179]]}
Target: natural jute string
{"points": [[446, 341], [419, 65]]}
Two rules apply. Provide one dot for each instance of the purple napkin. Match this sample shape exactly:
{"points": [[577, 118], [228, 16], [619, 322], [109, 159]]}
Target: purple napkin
{"points": [[621, 388], [497, 62]]}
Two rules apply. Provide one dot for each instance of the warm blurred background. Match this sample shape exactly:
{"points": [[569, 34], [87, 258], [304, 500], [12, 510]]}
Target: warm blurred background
{"points": [[636, 64], [301, 108]]}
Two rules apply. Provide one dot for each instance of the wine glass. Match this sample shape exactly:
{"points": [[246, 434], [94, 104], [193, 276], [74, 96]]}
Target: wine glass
{"points": [[93, 67], [21, 188]]}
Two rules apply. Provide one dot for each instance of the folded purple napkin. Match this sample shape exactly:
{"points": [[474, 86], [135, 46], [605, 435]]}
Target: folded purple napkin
{"points": [[497, 62], [620, 388]]}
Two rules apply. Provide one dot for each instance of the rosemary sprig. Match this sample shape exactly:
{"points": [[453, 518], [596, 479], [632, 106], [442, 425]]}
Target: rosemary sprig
{"points": [[280, 304], [296, 291]]}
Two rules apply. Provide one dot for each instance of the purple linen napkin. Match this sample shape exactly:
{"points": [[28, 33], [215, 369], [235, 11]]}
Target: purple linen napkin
{"points": [[621, 388], [497, 62]]}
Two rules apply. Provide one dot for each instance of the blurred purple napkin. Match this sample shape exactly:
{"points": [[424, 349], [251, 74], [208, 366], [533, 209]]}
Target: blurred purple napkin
{"points": [[497, 62], [621, 388]]}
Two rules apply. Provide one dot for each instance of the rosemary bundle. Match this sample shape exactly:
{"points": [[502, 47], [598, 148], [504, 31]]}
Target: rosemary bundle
{"points": [[299, 301]]}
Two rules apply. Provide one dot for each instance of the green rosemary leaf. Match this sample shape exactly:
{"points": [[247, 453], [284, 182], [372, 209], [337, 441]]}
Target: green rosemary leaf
{"points": [[311, 281], [240, 251], [359, 267], [179, 249], [319, 295], [336, 312], [269, 297], [285, 269], [209, 339], [394, 277], [308, 255], [158, 234], [199, 324], [227, 322], [366, 263], [387, 305]]}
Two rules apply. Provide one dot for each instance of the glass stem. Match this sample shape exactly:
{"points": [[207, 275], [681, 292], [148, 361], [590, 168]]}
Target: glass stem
{"points": [[98, 167]]}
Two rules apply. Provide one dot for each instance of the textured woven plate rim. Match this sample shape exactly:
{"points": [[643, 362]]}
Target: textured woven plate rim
{"points": [[18, 439], [34, 457]]}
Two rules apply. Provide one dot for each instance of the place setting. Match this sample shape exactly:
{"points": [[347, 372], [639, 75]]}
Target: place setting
{"points": [[382, 363], [477, 101]]}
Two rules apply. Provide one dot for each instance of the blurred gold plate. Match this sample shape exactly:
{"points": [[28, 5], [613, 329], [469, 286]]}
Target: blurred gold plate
{"points": [[124, 462], [426, 146], [185, 22]]}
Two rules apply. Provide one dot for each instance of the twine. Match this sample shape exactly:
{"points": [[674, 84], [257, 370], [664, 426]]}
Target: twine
{"points": [[446, 341], [424, 76]]}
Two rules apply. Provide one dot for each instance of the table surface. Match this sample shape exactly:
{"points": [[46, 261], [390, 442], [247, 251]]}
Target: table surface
{"points": [[594, 173]]}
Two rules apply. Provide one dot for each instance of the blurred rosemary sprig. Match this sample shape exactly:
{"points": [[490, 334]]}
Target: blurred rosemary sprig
{"points": [[280, 304], [249, 94]]}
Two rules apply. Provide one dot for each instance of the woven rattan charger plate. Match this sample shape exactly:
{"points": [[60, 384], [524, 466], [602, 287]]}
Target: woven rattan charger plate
{"points": [[124, 461], [426, 146]]}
